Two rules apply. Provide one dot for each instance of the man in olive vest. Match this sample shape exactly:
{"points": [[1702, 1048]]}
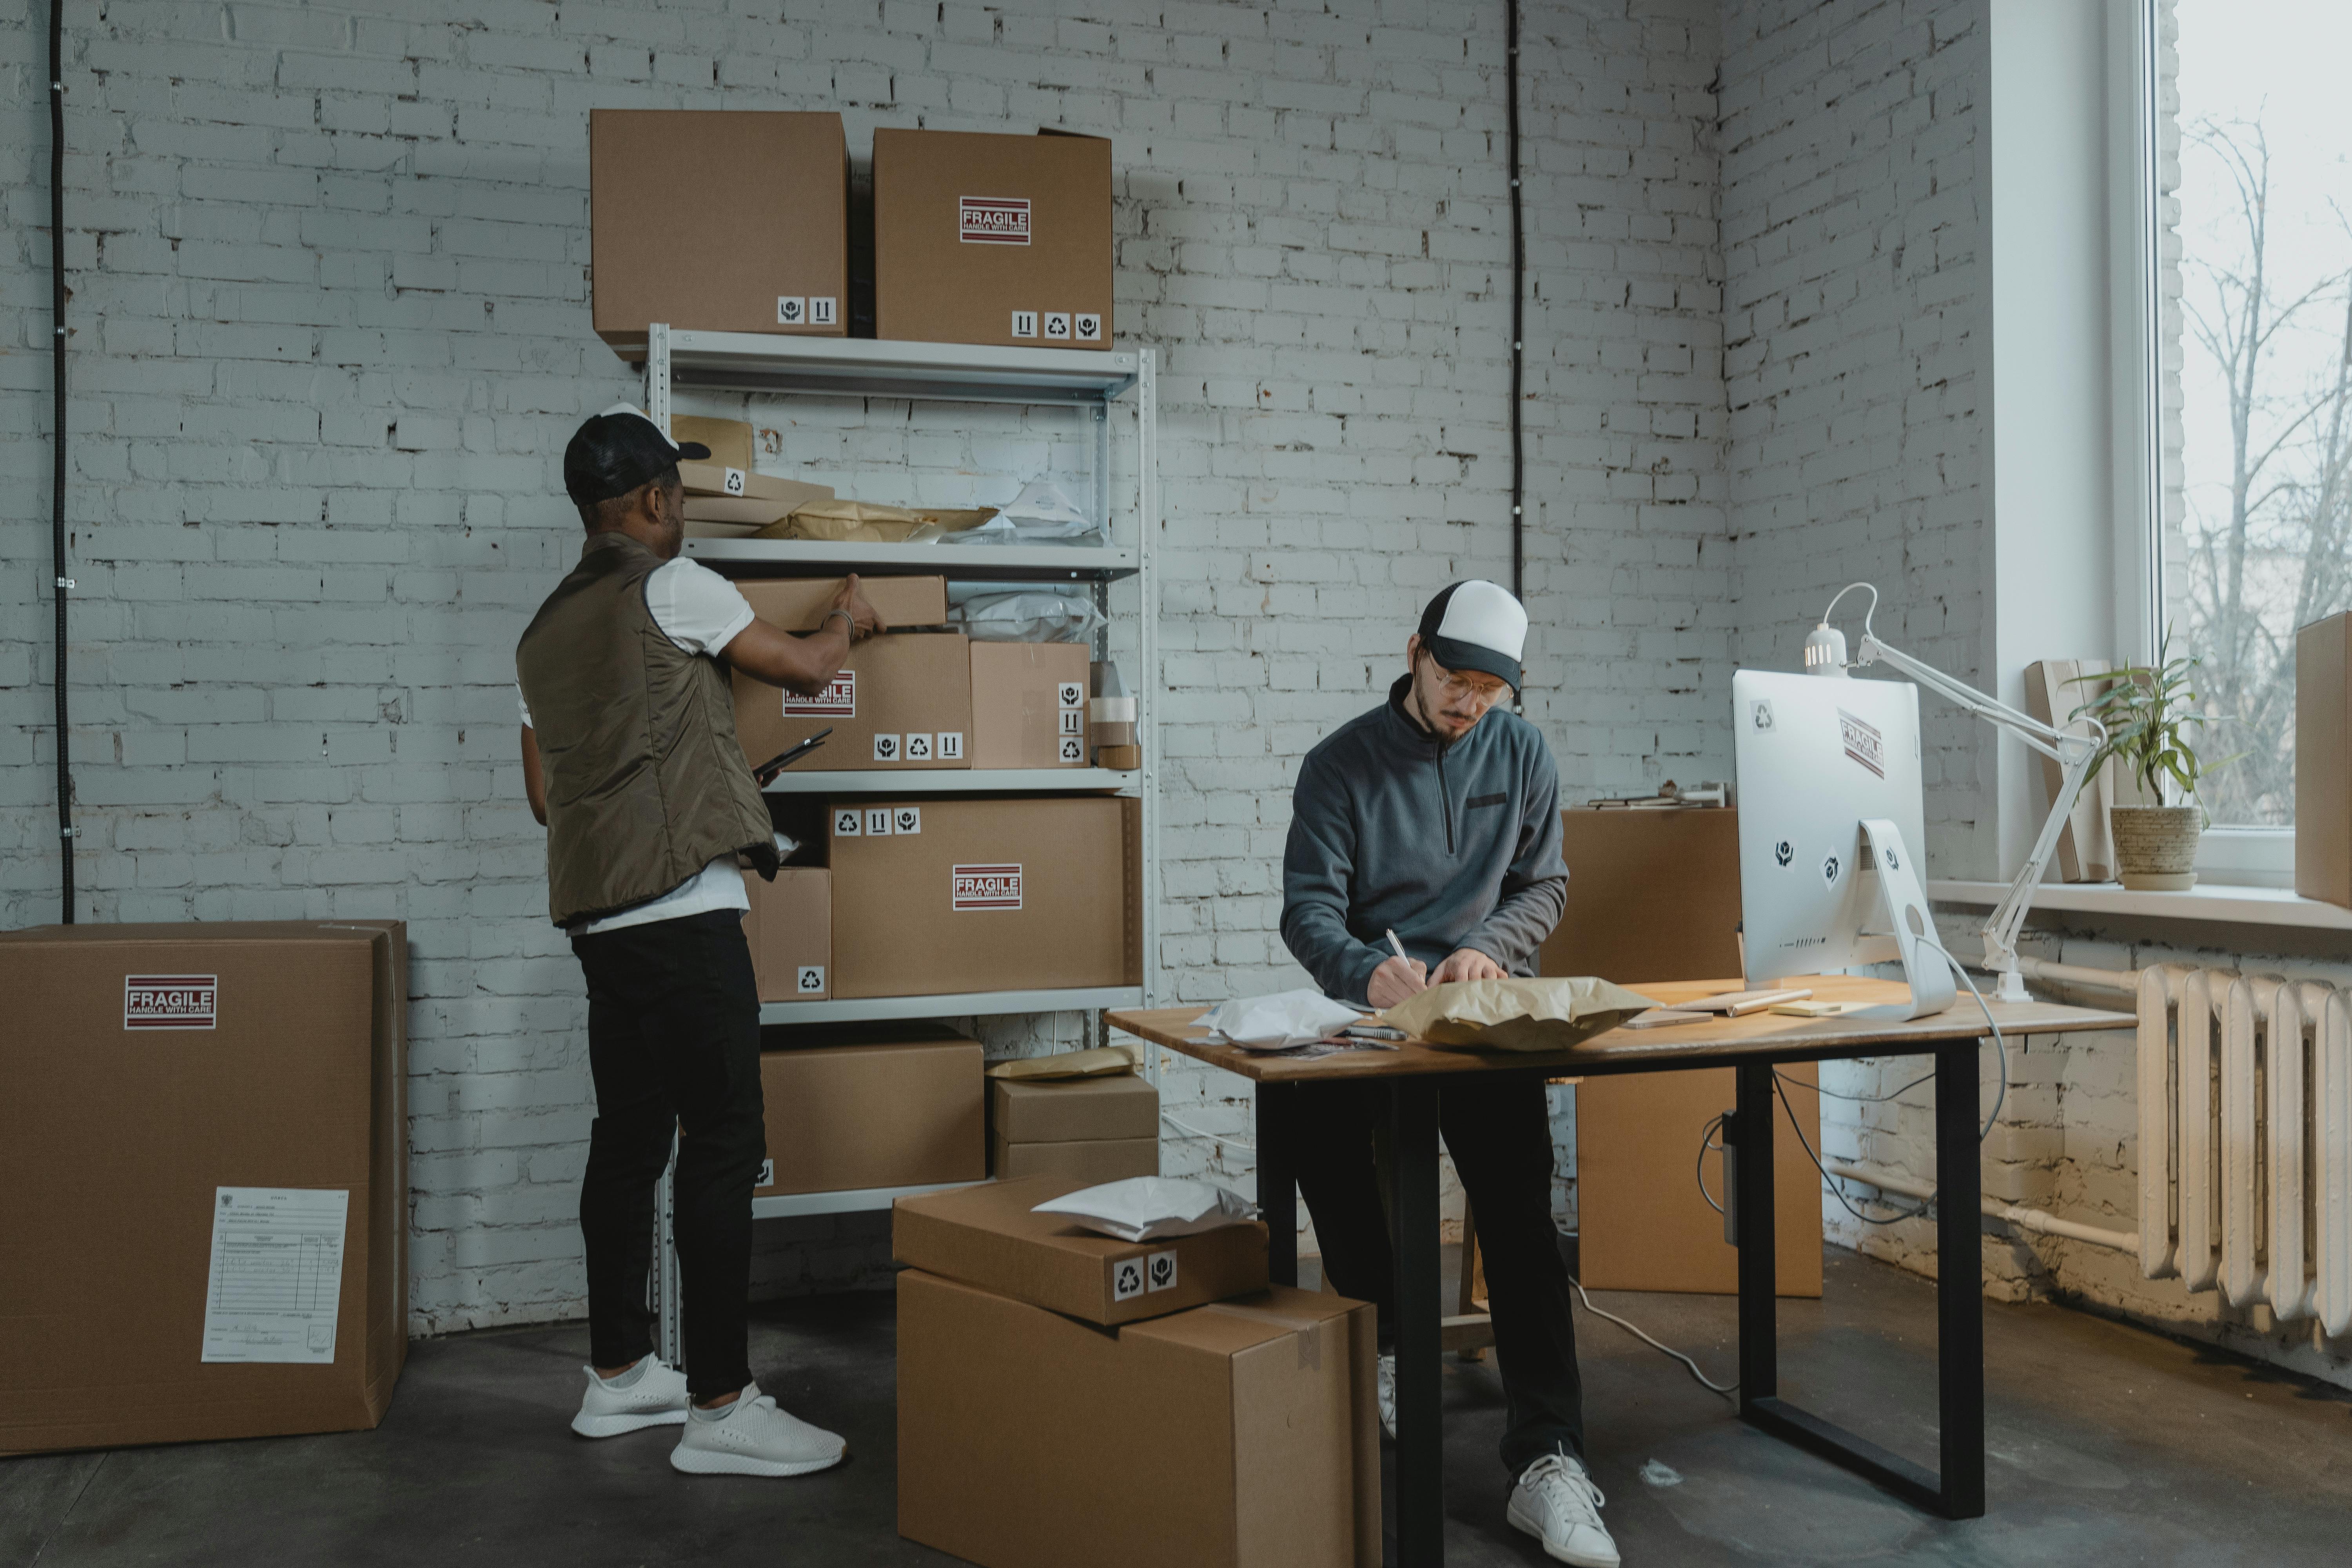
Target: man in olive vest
{"points": [[631, 760]]}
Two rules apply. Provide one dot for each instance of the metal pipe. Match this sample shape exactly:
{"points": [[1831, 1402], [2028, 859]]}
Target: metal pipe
{"points": [[66, 833], [2124, 980], [1518, 309], [2025, 1218]]}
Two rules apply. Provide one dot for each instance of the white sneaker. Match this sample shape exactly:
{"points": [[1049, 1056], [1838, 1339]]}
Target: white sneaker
{"points": [[1557, 1503], [1386, 1380], [755, 1438], [656, 1399]]}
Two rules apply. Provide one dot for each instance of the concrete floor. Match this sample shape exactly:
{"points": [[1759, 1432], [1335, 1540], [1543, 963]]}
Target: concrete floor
{"points": [[2108, 1445]]}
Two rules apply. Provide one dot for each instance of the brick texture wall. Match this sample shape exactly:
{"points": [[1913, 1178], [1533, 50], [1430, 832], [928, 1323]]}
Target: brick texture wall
{"points": [[330, 274]]}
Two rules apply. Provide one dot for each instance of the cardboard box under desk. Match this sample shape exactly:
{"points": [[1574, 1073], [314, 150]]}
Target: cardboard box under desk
{"points": [[982, 237], [903, 700], [988, 1237], [789, 929], [878, 1114], [148, 1068], [718, 220], [2323, 759], [1005, 893], [1654, 895], [1237, 1434], [1085, 1161], [1029, 704]]}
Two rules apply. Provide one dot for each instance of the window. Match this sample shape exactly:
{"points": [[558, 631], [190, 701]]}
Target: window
{"points": [[2255, 332]]}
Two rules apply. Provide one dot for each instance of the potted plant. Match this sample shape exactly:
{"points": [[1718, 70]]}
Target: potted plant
{"points": [[2146, 709]]}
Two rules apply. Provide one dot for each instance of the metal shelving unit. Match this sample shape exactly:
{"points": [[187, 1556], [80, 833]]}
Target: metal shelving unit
{"points": [[1088, 381]]}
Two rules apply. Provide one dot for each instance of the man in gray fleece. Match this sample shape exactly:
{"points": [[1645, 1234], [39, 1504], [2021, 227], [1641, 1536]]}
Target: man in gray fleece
{"points": [[1436, 816]]}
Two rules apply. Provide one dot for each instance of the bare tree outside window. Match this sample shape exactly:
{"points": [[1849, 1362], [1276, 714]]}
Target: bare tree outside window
{"points": [[2262, 524]]}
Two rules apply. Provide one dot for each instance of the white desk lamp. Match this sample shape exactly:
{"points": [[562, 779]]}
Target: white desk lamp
{"points": [[1825, 656]]}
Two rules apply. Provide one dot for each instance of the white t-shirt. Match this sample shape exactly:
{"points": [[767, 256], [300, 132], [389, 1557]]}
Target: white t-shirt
{"points": [[702, 612]]}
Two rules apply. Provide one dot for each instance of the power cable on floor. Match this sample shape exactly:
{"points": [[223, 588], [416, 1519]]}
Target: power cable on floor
{"points": [[1726, 1389]]}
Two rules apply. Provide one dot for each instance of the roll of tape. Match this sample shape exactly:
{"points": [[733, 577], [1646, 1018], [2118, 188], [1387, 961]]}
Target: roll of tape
{"points": [[1124, 759], [1112, 710]]}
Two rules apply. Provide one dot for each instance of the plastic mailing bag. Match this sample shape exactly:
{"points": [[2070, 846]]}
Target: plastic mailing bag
{"points": [[1042, 513], [1031, 615], [1279, 1022], [1516, 1015], [1146, 1208], [1107, 1061]]}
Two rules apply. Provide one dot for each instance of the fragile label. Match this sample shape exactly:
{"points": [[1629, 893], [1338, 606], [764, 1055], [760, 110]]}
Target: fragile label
{"points": [[992, 220], [837, 700], [170, 1001], [984, 887], [1161, 1267], [810, 981], [1862, 742], [1126, 1278]]}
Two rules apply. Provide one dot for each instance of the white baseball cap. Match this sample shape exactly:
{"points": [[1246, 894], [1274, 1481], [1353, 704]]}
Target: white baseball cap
{"points": [[1477, 625]]}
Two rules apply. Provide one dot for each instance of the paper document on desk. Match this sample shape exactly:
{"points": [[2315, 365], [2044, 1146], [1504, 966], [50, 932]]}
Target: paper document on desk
{"points": [[1147, 1208], [1516, 1015], [1277, 1022], [277, 1274]]}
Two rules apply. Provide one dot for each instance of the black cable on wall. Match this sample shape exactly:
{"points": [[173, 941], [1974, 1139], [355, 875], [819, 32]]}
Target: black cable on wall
{"points": [[1519, 293], [65, 832]]}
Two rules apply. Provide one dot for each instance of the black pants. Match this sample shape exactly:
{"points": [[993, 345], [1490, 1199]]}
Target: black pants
{"points": [[1498, 1130], [674, 1043]]}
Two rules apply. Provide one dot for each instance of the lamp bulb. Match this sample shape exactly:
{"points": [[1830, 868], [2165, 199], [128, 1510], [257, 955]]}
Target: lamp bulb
{"points": [[1825, 651]]}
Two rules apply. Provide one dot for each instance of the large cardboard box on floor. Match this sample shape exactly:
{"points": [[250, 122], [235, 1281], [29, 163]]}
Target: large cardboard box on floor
{"points": [[878, 1113], [203, 1145], [718, 220], [789, 927], [1237, 1434], [1654, 895], [981, 238], [990, 1236], [948, 895], [903, 702], [1029, 704], [2323, 759]]}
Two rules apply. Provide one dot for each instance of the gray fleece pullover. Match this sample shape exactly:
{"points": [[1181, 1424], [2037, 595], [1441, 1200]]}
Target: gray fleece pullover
{"points": [[1451, 847]]}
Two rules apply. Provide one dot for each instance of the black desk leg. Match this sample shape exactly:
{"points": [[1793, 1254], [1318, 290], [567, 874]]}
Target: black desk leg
{"points": [[1959, 1283], [1751, 1187], [1277, 1179], [1419, 1451]]}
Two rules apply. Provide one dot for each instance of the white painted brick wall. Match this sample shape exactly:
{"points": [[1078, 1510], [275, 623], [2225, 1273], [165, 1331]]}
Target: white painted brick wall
{"points": [[331, 331]]}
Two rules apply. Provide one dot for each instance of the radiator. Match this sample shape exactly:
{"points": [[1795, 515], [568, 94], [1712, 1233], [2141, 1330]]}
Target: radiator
{"points": [[2245, 1139]]}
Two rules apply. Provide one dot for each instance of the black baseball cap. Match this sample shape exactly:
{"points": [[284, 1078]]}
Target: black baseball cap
{"points": [[1477, 625], [618, 450]]}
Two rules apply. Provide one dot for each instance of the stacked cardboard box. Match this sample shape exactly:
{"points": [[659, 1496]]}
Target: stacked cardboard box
{"points": [[891, 1105], [1043, 1368], [204, 1142], [1090, 1130]]}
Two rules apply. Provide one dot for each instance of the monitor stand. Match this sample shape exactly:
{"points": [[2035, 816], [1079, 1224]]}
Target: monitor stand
{"points": [[1925, 969]]}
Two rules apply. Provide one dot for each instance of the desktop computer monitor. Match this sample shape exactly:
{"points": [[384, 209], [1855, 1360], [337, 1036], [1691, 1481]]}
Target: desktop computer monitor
{"points": [[1830, 829]]}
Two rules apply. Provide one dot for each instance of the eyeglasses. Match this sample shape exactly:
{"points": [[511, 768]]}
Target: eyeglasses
{"points": [[1469, 688]]}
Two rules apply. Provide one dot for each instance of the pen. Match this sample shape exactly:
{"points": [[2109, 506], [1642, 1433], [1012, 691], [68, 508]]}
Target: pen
{"points": [[1398, 948]]}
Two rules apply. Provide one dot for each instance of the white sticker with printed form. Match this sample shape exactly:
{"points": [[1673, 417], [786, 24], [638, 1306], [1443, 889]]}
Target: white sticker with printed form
{"points": [[276, 1275]]}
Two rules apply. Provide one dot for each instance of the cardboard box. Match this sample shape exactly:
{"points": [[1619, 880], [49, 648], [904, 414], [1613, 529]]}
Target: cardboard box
{"points": [[729, 440], [723, 221], [903, 700], [149, 1068], [988, 238], [1054, 1110], [1654, 895], [949, 895], [1028, 705], [1085, 1162], [719, 481], [846, 1118], [1240, 1435], [800, 604], [2323, 759], [790, 930], [988, 1237]]}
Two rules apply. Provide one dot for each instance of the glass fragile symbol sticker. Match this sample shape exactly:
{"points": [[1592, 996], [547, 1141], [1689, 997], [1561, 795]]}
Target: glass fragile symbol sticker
{"points": [[837, 700], [984, 887]]}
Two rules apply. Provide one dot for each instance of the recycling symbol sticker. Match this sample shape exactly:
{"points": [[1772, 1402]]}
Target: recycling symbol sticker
{"points": [[1127, 1279]]}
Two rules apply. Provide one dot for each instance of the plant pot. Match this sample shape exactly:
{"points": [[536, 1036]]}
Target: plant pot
{"points": [[2155, 845]]}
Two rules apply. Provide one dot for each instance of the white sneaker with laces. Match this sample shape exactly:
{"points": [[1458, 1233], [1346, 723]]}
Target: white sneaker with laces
{"points": [[1557, 1503], [1386, 1380], [657, 1398], [755, 1438]]}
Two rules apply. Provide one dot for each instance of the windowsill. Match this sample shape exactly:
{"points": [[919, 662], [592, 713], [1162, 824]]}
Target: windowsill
{"points": [[2206, 901]]}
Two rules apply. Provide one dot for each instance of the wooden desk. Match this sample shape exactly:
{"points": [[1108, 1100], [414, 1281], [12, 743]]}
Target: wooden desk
{"points": [[1753, 1045]]}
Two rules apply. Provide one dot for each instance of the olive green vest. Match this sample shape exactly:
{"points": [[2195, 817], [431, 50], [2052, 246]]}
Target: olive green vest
{"points": [[645, 781]]}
